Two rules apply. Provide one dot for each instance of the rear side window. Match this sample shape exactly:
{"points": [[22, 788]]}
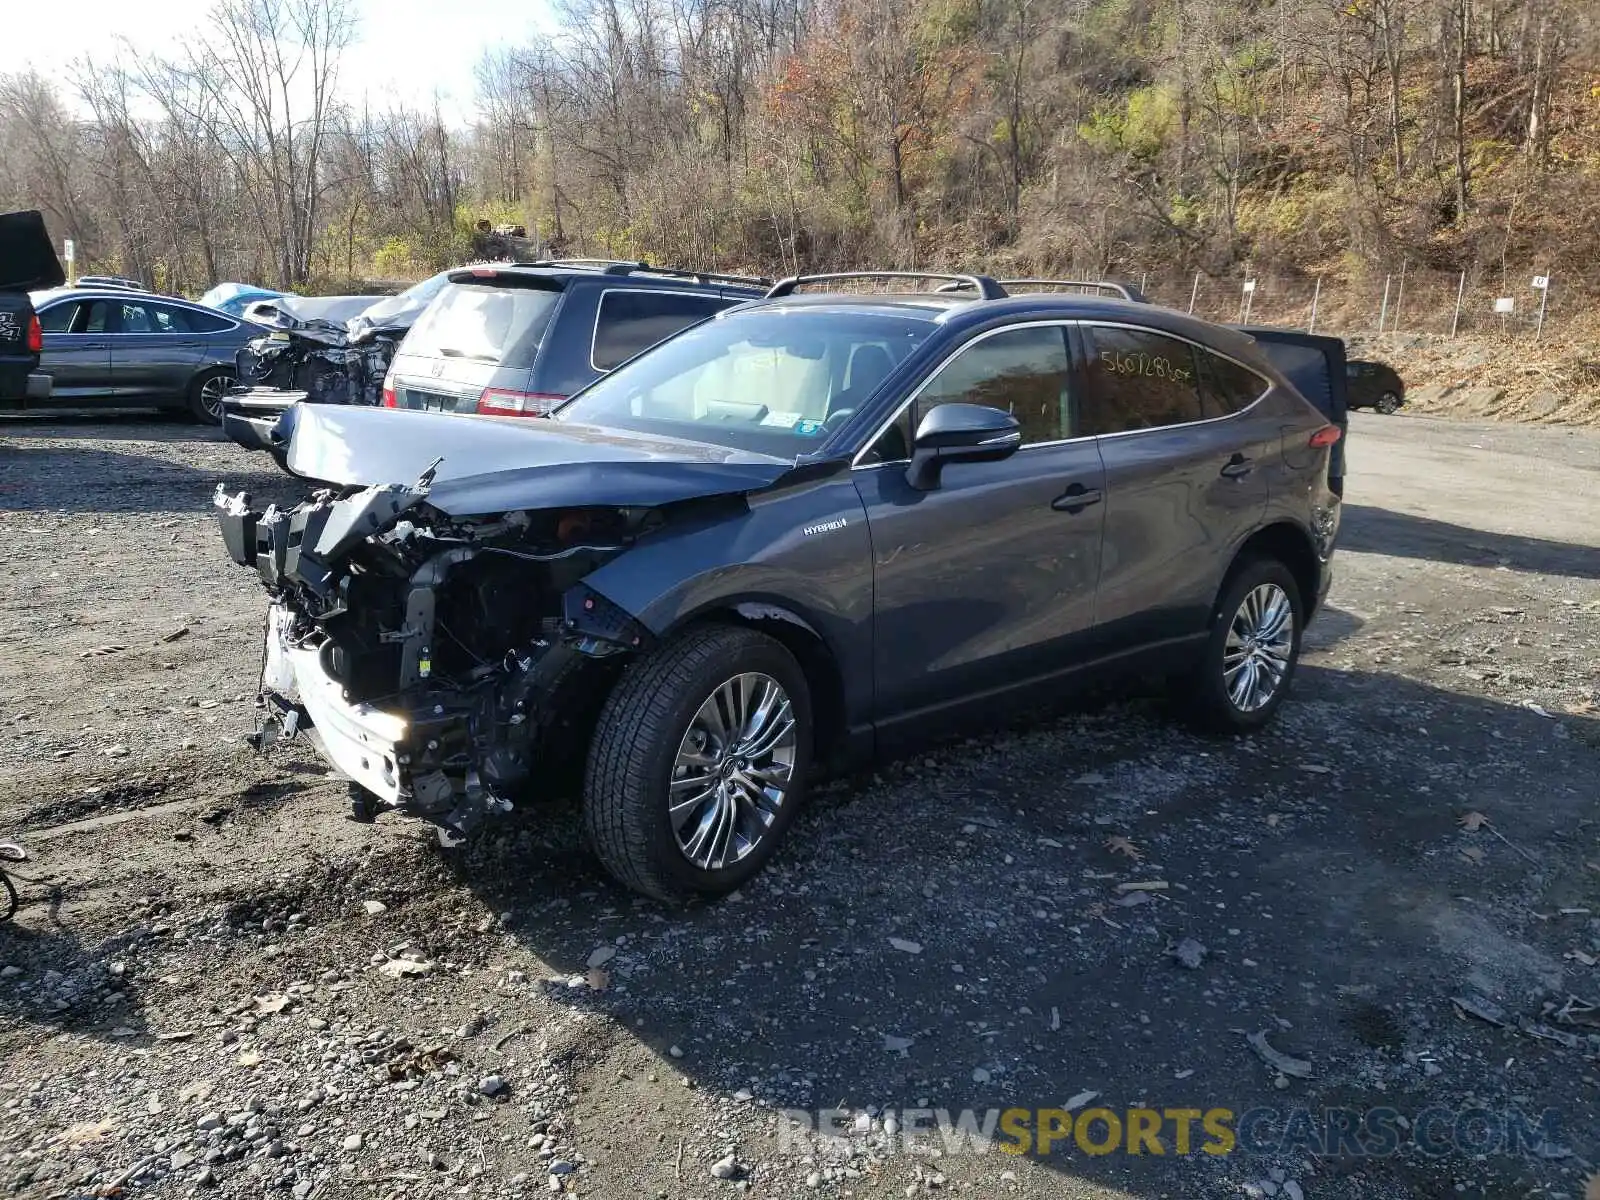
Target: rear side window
{"points": [[1225, 386], [1138, 379], [481, 323], [631, 321], [57, 319], [202, 322]]}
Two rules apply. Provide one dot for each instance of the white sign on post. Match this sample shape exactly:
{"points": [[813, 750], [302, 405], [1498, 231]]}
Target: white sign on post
{"points": [[67, 249], [1249, 285], [1540, 282], [1505, 304]]}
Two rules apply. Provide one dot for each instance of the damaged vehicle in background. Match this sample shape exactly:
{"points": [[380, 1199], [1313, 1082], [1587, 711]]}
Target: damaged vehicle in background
{"points": [[320, 362], [501, 339], [803, 533]]}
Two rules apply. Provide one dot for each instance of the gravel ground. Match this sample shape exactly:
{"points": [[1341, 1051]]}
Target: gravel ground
{"points": [[218, 983]]}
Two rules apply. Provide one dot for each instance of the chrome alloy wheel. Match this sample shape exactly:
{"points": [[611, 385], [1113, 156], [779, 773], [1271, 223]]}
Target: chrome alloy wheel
{"points": [[733, 771], [211, 393], [1255, 658]]}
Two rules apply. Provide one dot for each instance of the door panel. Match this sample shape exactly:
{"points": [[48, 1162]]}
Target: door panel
{"points": [[988, 580], [1182, 487], [152, 352], [982, 583], [77, 349]]}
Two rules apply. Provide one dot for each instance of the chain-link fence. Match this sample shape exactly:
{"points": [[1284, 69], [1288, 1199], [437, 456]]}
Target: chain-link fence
{"points": [[1522, 304]]}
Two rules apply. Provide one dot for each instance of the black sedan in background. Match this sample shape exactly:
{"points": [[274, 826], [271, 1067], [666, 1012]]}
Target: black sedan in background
{"points": [[1375, 385], [114, 347]]}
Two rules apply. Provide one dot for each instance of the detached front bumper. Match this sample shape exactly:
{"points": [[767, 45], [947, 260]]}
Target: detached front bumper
{"points": [[364, 742]]}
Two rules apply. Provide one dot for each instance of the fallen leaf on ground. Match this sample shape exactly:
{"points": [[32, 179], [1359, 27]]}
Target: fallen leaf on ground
{"points": [[250, 1058], [1472, 854], [1472, 821], [1118, 844], [85, 1132]]}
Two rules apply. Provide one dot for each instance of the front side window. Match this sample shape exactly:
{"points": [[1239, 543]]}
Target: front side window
{"points": [[1024, 372], [1138, 379], [774, 381], [632, 321]]}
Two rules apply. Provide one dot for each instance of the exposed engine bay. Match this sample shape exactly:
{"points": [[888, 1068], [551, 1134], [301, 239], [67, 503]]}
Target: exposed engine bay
{"points": [[444, 664], [322, 361]]}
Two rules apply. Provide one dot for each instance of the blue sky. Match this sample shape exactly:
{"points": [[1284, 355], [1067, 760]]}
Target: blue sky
{"points": [[407, 49]]}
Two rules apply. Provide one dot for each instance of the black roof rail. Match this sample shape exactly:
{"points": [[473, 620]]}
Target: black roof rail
{"points": [[620, 266], [982, 284], [753, 281], [1101, 285]]}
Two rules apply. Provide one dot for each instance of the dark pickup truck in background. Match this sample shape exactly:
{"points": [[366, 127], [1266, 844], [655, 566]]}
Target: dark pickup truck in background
{"points": [[28, 263]]}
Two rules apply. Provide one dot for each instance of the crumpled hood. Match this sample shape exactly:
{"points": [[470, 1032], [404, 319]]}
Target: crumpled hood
{"points": [[503, 464]]}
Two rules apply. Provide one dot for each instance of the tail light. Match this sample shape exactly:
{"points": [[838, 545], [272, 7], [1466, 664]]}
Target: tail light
{"points": [[1326, 436], [389, 399], [503, 402], [35, 336]]}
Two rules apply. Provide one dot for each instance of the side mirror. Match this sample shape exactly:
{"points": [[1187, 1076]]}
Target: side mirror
{"points": [[960, 433]]}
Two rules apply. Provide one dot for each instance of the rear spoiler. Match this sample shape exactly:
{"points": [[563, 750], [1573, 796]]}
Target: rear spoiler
{"points": [[512, 276]]}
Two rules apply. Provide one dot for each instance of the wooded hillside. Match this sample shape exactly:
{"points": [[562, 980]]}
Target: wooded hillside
{"points": [[1166, 136]]}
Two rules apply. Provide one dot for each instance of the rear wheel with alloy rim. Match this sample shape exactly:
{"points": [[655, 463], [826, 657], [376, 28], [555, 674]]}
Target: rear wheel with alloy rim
{"points": [[1252, 651], [698, 764], [206, 393], [1388, 404]]}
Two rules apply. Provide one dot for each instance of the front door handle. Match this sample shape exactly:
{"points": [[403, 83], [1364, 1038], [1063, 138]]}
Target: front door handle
{"points": [[1077, 498], [1238, 467]]}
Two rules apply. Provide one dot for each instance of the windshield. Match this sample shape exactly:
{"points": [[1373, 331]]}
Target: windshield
{"points": [[483, 323], [771, 380]]}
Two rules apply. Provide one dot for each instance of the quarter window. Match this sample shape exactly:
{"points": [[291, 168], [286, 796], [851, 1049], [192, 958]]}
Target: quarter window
{"points": [[1225, 386], [631, 321], [1138, 379]]}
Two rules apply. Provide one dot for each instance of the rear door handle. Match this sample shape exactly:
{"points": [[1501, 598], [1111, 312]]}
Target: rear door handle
{"points": [[1077, 498], [1238, 467]]}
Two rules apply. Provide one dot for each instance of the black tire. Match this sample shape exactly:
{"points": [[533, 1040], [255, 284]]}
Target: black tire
{"points": [[636, 742], [202, 392], [1388, 404], [1205, 692]]}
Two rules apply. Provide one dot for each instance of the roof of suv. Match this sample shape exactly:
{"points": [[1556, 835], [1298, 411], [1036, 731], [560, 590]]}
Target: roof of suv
{"points": [[634, 272], [963, 308]]}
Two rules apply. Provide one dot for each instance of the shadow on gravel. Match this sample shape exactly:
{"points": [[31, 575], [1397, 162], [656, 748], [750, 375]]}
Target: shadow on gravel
{"points": [[81, 479], [53, 981], [106, 425], [1371, 530], [955, 936]]}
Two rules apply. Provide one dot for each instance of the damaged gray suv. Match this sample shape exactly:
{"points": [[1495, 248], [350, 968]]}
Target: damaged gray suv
{"points": [[798, 535]]}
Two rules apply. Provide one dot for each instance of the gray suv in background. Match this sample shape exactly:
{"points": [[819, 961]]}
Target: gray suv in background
{"points": [[517, 340], [112, 346]]}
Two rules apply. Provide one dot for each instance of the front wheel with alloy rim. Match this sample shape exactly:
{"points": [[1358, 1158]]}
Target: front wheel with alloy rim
{"points": [[1252, 650], [698, 764], [1388, 404], [205, 396]]}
